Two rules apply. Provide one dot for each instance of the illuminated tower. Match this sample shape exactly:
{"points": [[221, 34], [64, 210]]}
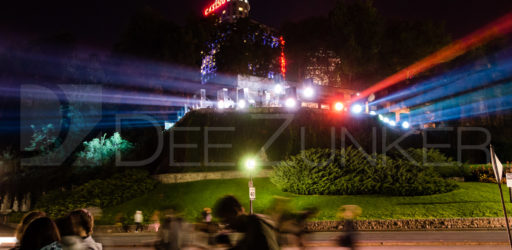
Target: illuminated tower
{"points": [[228, 10], [229, 14]]}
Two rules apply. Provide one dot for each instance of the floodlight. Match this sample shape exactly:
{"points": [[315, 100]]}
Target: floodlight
{"points": [[308, 92], [242, 104], [406, 125], [356, 108], [339, 106], [221, 104], [290, 103], [278, 89]]}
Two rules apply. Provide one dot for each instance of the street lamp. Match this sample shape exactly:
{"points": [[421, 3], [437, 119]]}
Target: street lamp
{"points": [[250, 165]]}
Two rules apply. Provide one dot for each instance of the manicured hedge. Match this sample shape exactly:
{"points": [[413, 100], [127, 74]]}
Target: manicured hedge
{"points": [[322, 171], [98, 193]]}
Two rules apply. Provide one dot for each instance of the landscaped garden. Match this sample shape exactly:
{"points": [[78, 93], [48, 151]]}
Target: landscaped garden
{"points": [[470, 199]]}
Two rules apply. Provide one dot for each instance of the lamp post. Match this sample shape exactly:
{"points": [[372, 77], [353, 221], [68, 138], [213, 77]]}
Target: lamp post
{"points": [[250, 165]]}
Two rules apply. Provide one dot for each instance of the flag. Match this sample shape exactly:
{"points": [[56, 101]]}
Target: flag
{"points": [[496, 166]]}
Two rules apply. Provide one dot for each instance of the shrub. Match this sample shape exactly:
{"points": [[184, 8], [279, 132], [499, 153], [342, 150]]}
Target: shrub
{"points": [[485, 173], [445, 166], [98, 193], [351, 172]]}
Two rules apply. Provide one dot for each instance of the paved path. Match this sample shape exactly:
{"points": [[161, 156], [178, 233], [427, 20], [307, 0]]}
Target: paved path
{"points": [[415, 240]]}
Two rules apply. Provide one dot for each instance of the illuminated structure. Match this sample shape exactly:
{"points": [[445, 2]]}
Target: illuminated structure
{"points": [[242, 42], [228, 10], [227, 13]]}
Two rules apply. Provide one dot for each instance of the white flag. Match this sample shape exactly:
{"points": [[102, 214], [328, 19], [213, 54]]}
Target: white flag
{"points": [[498, 167]]}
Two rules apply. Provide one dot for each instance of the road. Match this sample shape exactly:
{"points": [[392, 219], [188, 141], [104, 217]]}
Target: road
{"points": [[415, 240]]}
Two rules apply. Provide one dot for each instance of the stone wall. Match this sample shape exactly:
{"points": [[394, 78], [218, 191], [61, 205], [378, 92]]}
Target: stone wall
{"points": [[199, 176], [416, 224]]}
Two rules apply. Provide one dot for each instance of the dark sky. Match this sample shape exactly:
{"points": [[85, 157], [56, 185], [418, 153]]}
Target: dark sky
{"points": [[99, 22]]}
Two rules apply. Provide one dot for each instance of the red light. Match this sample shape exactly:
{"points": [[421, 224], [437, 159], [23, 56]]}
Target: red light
{"points": [[283, 58], [339, 106], [214, 6]]}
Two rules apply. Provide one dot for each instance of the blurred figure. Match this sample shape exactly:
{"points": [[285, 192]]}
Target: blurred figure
{"points": [[138, 218], [68, 239], [290, 222], [208, 226], [41, 233], [27, 218], [349, 213], [170, 234], [76, 230], [121, 221], [155, 221], [259, 234]]}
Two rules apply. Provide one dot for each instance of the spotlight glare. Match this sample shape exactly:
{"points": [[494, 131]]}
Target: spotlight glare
{"points": [[381, 117], [308, 92], [386, 120], [356, 108], [220, 104], [241, 104], [392, 123], [339, 106], [278, 89], [373, 113], [290, 103], [406, 125]]}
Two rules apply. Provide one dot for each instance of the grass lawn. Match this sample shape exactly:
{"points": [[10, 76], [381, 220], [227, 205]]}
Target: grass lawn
{"points": [[470, 200]]}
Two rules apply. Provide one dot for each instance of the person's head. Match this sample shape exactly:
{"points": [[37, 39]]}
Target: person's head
{"points": [[82, 222], [39, 233], [228, 208], [65, 227], [27, 218]]}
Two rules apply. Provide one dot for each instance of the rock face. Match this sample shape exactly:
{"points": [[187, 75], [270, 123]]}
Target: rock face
{"points": [[417, 224]]}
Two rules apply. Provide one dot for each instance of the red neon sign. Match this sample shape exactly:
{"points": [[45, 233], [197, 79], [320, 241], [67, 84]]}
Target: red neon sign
{"points": [[282, 58], [217, 4]]}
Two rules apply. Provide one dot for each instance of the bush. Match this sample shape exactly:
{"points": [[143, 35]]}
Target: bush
{"points": [[445, 166], [485, 173], [98, 193], [350, 172]]}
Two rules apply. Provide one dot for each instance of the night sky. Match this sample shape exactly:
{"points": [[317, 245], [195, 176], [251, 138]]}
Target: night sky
{"points": [[99, 22]]}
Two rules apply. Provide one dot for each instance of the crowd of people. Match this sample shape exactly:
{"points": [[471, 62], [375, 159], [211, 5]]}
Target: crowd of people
{"points": [[73, 232], [255, 231]]}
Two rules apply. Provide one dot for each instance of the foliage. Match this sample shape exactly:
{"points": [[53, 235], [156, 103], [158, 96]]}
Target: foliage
{"points": [[43, 139], [445, 166], [369, 45], [485, 173], [349, 171], [470, 200], [101, 150], [99, 193]]}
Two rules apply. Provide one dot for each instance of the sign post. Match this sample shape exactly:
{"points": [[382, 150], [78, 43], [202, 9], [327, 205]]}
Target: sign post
{"points": [[509, 185], [252, 194], [498, 172]]}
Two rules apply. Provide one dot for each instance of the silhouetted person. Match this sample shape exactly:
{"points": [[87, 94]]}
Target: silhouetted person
{"points": [[349, 213], [25, 221], [41, 233], [258, 233], [170, 234]]}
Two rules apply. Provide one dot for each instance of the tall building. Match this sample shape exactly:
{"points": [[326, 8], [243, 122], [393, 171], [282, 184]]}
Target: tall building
{"points": [[228, 10], [240, 45]]}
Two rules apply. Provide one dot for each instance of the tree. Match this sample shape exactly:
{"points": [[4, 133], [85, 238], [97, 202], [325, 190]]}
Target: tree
{"points": [[102, 150]]}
